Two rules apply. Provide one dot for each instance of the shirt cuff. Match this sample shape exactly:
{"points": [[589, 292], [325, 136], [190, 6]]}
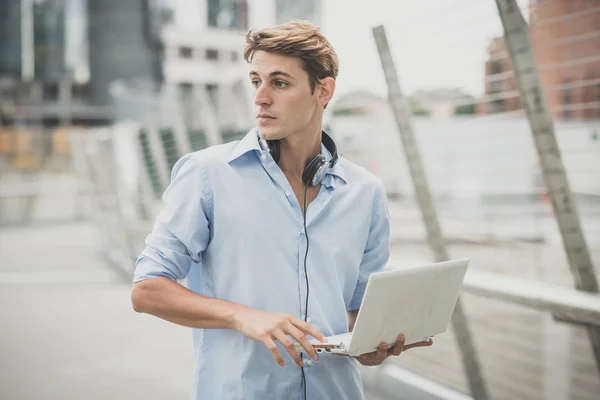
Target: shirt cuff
{"points": [[146, 268]]}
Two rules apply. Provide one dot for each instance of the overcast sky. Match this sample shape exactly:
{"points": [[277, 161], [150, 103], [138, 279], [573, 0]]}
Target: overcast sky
{"points": [[435, 43]]}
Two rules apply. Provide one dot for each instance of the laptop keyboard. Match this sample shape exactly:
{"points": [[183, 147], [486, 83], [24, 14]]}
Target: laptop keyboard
{"points": [[337, 339]]}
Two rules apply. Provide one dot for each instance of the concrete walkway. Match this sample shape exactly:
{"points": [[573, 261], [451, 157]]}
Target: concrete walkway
{"points": [[68, 328]]}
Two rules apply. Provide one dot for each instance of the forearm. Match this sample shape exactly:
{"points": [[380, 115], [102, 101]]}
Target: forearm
{"points": [[170, 301]]}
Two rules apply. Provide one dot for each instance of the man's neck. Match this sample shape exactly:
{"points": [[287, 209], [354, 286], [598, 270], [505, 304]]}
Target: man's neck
{"points": [[297, 150]]}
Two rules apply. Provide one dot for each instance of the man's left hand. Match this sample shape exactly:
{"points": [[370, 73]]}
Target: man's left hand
{"points": [[377, 357]]}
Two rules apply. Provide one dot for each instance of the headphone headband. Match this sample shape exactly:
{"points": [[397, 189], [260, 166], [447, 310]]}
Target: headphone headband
{"points": [[274, 149], [317, 168]]}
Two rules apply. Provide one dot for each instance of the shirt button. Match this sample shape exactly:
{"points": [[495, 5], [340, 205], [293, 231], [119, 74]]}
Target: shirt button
{"points": [[309, 363], [263, 157], [308, 319], [288, 193]]}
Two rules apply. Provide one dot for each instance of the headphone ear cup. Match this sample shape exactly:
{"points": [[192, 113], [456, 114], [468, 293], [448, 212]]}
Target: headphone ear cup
{"points": [[311, 168]]}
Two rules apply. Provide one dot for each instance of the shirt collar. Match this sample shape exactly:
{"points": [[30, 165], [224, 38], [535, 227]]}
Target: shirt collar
{"points": [[247, 144], [250, 143]]}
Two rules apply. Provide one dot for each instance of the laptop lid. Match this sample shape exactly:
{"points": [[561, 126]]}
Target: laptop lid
{"points": [[417, 301]]}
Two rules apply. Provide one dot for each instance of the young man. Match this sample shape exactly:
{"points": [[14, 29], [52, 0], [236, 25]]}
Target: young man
{"points": [[275, 235]]}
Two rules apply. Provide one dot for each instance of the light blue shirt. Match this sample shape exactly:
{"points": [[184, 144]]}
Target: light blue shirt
{"points": [[233, 228]]}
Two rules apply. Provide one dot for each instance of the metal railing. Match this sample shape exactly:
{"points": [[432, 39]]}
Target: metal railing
{"points": [[517, 313]]}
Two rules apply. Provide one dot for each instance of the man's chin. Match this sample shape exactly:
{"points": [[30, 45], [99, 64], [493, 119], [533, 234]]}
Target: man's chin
{"points": [[268, 134]]}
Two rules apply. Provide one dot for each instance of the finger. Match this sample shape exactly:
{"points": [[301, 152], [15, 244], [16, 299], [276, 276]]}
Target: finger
{"points": [[301, 338], [373, 355], [382, 351], [289, 346], [273, 349], [398, 347], [371, 359], [418, 344], [366, 356], [309, 329]]}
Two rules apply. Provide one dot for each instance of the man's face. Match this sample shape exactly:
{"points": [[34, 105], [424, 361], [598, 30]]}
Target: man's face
{"points": [[283, 101]]}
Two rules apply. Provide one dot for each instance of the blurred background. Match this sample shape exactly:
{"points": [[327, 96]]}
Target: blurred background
{"points": [[99, 98]]}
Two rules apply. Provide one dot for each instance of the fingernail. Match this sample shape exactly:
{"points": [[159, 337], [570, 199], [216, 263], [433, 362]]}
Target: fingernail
{"points": [[323, 339], [281, 363], [315, 357], [402, 337]]}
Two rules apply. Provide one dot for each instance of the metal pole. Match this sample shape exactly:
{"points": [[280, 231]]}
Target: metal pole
{"points": [[157, 151], [172, 105], [208, 115], [27, 47], [542, 128], [435, 238]]}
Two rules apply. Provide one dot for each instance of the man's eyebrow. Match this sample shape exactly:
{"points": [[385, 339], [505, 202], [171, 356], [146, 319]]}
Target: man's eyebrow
{"points": [[274, 73]]}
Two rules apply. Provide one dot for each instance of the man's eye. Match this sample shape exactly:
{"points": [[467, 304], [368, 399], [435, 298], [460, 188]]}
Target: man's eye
{"points": [[255, 83], [280, 84]]}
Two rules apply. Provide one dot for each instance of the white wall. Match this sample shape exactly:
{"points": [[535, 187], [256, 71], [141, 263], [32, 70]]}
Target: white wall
{"points": [[470, 157], [261, 13]]}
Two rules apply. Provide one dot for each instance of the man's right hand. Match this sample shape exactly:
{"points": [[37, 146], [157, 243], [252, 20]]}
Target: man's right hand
{"points": [[267, 327]]}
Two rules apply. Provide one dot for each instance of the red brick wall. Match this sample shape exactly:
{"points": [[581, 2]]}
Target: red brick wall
{"points": [[560, 63]]}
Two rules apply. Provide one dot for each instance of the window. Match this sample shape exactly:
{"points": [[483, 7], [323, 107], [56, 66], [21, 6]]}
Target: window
{"points": [[186, 52], [228, 14], [188, 104], [497, 106], [186, 91], [50, 91], [213, 93], [496, 67], [286, 10], [49, 39], [567, 99], [567, 95], [496, 85], [212, 54]]}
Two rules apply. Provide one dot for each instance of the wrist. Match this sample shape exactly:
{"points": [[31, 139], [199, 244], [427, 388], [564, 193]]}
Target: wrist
{"points": [[234, 317]]}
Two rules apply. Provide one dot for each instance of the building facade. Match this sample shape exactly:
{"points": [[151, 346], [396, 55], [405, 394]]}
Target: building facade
{"points": [[565, 38], [203, 60], [310, 10], [58, 58]]}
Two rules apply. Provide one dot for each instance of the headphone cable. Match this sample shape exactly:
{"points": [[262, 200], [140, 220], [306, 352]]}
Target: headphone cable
{"points": [[306, 276]]}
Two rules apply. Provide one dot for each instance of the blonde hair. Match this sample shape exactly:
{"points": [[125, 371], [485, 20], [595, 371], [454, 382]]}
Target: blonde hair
{"points": [[299, 39]]}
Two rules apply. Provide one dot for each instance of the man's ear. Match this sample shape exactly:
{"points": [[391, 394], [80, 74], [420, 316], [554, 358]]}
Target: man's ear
{"points": [[327, 88]]}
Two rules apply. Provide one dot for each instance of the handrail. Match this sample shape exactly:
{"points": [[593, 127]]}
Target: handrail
{"points": [[564, 302]]}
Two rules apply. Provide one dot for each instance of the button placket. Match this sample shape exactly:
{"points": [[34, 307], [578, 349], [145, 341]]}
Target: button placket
{"points": [[302, 275]]}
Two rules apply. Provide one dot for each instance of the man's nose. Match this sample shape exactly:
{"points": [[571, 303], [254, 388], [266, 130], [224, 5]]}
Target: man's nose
{"points": [[262, 96]]}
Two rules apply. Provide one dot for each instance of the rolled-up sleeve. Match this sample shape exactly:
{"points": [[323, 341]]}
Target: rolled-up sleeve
{"points": [[377, 249], [181, 230]]}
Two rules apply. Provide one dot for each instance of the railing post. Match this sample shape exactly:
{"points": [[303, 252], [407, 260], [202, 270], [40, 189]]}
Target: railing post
{"points": [[435, 238], [542, 129]]}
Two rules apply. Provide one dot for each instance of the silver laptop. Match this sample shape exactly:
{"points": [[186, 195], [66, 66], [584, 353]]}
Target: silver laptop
{"points": [[416, 301]]}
